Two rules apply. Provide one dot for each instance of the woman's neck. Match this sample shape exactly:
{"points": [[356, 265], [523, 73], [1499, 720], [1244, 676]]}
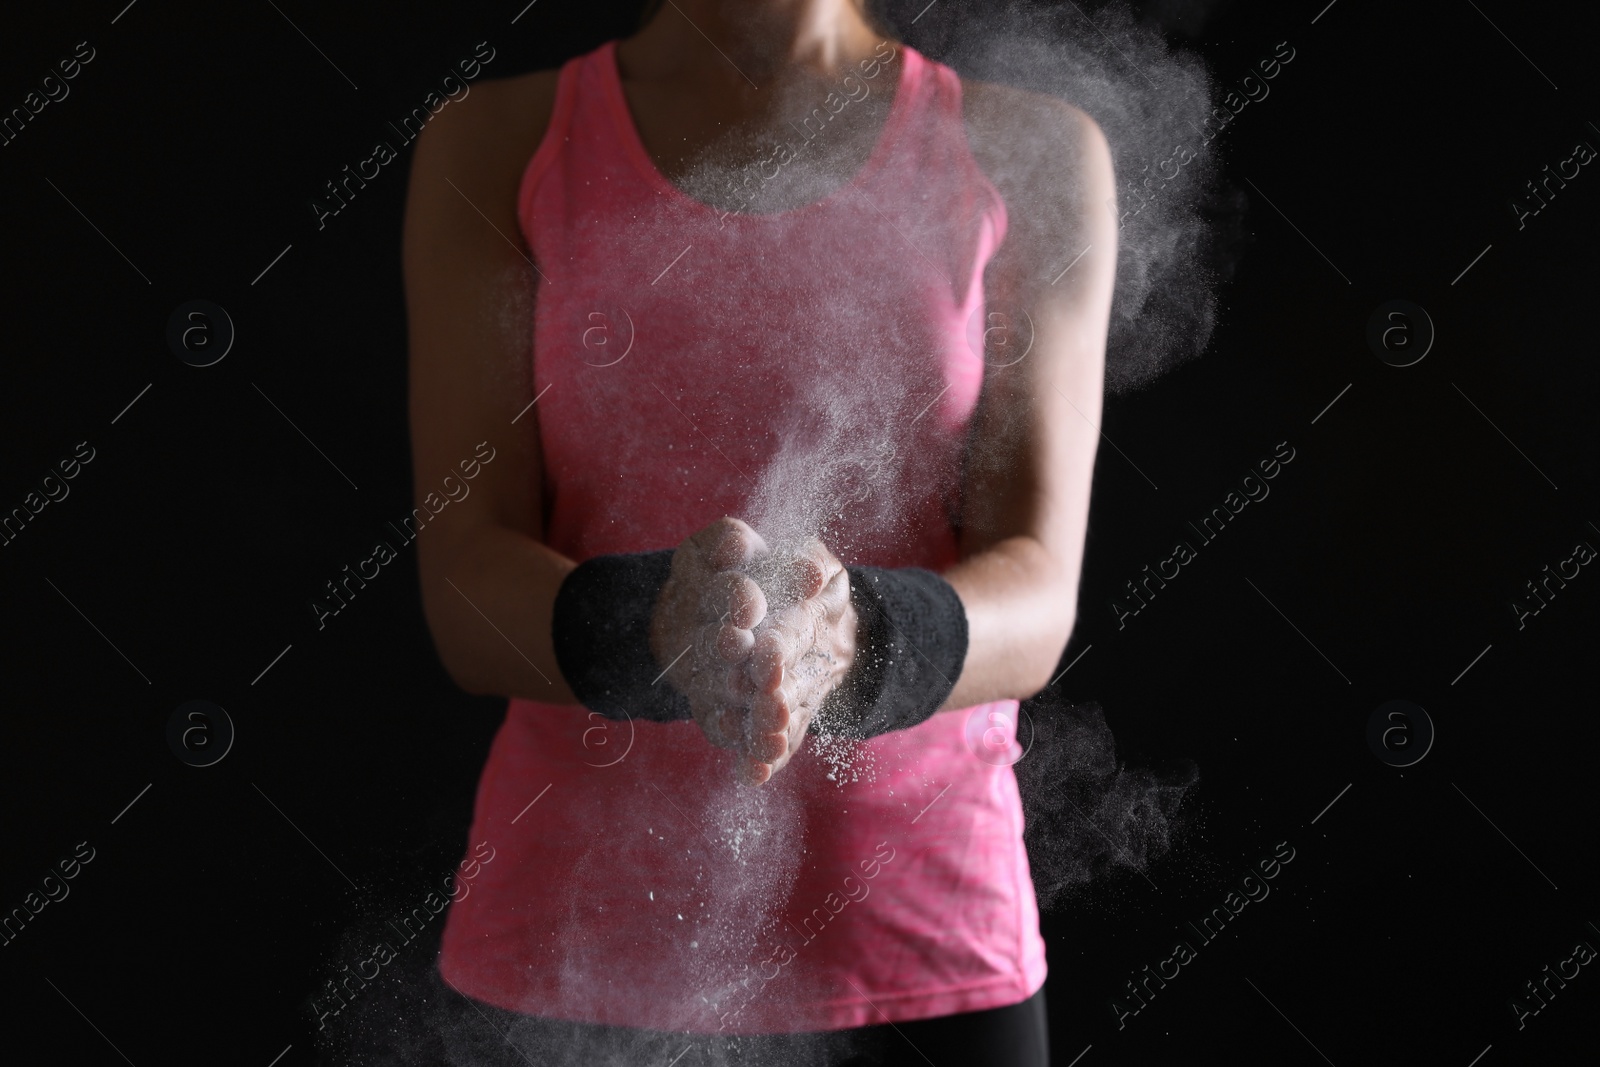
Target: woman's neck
{"points": [[748, 44]]}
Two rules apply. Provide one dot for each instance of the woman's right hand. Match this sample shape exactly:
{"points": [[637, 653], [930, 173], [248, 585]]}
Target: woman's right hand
{"points": [[700, 629]]}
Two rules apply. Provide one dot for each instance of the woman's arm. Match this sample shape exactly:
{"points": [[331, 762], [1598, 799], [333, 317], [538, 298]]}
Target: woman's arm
{"points": [[488, 581], [1032, 444]]}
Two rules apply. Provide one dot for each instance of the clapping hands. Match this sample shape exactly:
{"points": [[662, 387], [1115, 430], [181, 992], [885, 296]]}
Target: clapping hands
{"points": [[755, 639]]}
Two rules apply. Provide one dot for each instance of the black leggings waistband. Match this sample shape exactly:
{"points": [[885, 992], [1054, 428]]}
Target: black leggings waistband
{"points": [[482, 1035]]}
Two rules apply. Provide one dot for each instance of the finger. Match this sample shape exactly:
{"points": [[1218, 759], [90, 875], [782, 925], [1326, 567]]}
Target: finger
{"points": [[734, 643], [778, 662], [795, 577], [733, 543], [835, 595], [760, 771], [745, 601], [767, 747], [810, 569], [717, 546], [800, 727], [752, 771], [704, 649], [777, 721], [767, 660], [742, 689], [794, 628], [770, 715]]}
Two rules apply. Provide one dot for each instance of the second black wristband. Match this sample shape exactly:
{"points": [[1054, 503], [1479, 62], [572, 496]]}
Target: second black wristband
{"points": [[911, 643]]}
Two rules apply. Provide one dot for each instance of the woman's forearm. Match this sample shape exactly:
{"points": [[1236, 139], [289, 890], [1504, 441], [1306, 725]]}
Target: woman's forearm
{"points": [[488, 594], [1021, 604]]}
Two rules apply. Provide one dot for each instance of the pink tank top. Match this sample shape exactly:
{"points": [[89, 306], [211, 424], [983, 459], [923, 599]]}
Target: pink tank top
{"points": [[689, 365]]}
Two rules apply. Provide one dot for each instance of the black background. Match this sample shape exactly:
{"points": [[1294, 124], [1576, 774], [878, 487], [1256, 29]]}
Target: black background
{"points": [[1382, 564]]}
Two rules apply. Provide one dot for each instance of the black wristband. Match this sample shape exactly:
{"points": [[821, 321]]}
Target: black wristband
{"points": [[911, 641], [600, 628]]}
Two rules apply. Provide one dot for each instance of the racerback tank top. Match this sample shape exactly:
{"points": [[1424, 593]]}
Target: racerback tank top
{"points": [[817, 365]]}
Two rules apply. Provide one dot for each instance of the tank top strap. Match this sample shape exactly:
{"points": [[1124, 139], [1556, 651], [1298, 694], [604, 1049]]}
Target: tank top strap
{"points": [[557, 133]]}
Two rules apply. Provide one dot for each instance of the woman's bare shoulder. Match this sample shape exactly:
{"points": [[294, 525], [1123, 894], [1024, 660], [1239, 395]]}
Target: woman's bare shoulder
{"points": [[1049, 161], [466, 166], [498, 125], [1018, 132]]}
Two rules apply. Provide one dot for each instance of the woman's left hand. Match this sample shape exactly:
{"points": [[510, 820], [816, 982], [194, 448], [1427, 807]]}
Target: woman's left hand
{"points": [[800, 653]]}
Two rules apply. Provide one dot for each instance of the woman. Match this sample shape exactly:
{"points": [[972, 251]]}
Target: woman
{"points": [[786, 513]]}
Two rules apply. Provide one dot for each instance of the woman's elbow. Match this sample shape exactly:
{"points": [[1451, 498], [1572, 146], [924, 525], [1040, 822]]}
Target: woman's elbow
{"points": [[466, 678], [453, 653], [456, 664], [1047, 660]]}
